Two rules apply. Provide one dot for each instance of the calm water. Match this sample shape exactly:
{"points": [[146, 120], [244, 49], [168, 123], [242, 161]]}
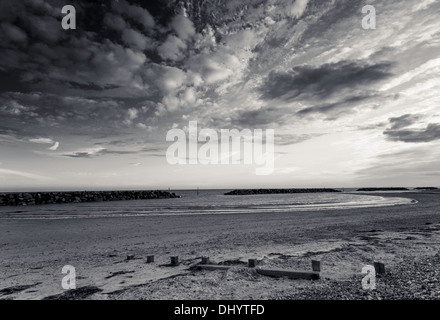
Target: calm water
{"points": [[207, 202]]}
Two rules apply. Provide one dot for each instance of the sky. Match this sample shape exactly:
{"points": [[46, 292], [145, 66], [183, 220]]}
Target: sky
{"points": [[89, 108]]}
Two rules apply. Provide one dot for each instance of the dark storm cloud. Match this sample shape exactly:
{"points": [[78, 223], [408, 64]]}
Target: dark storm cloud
{"points": [[46, 58], [333, 110], [261, 117], [323, 81], [37, 114], [430, 133], [403, 121]]}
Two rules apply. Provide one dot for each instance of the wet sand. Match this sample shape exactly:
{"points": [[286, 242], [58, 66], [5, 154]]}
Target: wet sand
{"points": [[33, 252]]}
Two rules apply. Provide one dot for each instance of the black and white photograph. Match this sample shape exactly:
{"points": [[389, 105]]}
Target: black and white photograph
{"points": [[232, 151]]}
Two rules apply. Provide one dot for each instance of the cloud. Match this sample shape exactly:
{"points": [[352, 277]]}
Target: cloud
{"points": [[46, 29], [183, 27], [42, 140], [115, 22], [403, 121], [24, 174], [55, 146], [171, 79], [99, 151], [172, 48], [323, 81], [289, 139], [215, 67], [14, 108], [136, 13], [334, 110], [428, 134], [135, 39], [13, 33], [297, 8], [261, 117]]}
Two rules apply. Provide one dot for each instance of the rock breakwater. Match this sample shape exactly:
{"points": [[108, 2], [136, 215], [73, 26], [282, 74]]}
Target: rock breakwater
{"points": [[37, 198]]}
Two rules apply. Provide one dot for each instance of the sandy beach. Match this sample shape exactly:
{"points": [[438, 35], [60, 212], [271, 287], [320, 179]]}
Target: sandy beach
{"points": [[406, 238]]}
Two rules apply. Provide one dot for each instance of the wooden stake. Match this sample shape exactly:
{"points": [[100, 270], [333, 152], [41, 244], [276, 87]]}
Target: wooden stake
{"points": [[253, 263], [316, 265], [379, 267], [205, 260], [175, 261]]}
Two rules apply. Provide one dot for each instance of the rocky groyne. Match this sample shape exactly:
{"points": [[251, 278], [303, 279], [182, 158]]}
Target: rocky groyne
{"points": [[36, 198], [276, 191]]}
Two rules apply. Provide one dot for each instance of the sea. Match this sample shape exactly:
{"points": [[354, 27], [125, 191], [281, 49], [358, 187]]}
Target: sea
{"points": [[203, 202]]}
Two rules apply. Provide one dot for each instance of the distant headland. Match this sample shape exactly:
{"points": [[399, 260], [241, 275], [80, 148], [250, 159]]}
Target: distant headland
{"points": [[396, 189], [36, 198], [240, 192], [383, 189]]}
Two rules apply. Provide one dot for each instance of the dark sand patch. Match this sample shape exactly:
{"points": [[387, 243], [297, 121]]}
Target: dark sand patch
{"points": [[16, 289], [75, 294]]}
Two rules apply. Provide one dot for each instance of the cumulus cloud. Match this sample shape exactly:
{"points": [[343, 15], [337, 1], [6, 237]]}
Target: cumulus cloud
{"points": [[172, 49], [183, 27], [139, 14], [114, 21], [171, 79], [135, 39]]}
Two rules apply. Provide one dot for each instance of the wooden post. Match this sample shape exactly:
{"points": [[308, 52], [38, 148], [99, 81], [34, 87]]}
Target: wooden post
{"points": [[175, 261], [130, 256], [150, 259], [253, 263], [316, 265], [379, 267], [205, 260]]}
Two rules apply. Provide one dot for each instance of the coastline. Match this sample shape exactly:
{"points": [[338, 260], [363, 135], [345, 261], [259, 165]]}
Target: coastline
{"points": [[344, 240]]}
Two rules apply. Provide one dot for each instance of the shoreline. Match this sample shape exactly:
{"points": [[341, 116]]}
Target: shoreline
{"points": [[35, 251]]}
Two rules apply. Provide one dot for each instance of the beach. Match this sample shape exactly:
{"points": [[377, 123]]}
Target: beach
{"points": [[34, 251]]}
